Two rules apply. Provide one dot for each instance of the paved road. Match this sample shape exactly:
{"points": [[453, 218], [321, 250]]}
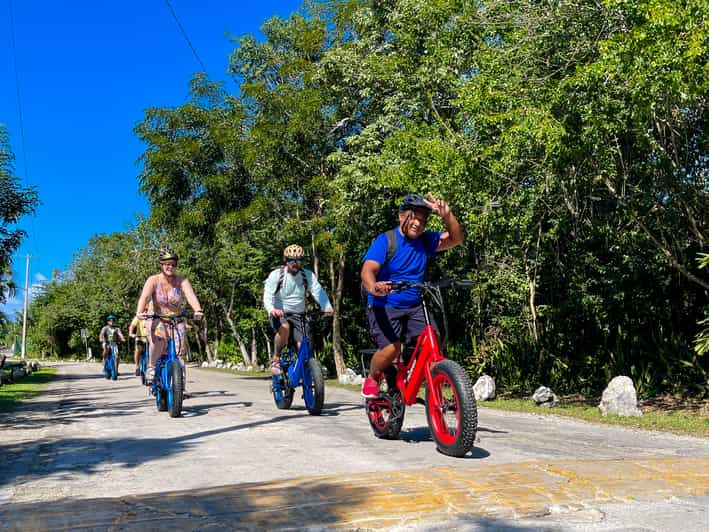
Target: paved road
{"points": [[96, 453]]}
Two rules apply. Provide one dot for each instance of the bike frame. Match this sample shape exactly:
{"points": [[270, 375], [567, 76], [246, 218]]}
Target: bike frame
{"points": [[112, 353], [296, 364], [410, 377], [164, 361]]}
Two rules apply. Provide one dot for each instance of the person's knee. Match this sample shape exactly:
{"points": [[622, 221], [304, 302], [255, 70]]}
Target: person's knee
{"points": [[391, 351]]}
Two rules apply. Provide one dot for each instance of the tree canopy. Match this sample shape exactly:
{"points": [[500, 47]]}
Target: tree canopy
{"points": [[570, 139]]}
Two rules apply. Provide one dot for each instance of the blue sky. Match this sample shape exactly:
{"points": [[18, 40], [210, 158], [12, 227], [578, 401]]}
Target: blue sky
{"points": [[87, 70]]}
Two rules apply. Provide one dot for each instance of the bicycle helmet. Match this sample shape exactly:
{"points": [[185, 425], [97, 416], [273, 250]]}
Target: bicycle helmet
{"points": [[414, 201], [294, 251], [167, 254], [110, 317]]}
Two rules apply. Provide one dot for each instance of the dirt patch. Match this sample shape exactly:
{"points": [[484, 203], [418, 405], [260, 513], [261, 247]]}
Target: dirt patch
{"points": [[675, 403]]}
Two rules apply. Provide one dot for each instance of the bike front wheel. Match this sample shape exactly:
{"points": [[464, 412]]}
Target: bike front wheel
{"points": [[174, 389], [282, 392], [314, 391], [114, 365], [451, 409]]}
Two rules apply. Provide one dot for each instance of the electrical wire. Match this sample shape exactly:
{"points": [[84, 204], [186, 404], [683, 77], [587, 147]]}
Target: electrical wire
{"points": [[17, 89], [184, 34]]}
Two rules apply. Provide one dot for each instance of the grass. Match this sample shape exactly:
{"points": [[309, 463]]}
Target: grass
{"points": [[12, 394], [668, 413], [252, 374]]}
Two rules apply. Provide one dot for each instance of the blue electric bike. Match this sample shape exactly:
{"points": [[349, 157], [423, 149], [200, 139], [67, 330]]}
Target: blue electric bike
{"points": [[110, 365], [168, 384], [299, 368]]}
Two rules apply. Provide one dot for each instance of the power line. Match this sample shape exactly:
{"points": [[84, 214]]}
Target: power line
{"points": [[17, 89], [184, 34]]}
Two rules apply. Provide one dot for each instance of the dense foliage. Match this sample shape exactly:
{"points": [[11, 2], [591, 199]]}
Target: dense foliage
{"points": [[570, 138]]}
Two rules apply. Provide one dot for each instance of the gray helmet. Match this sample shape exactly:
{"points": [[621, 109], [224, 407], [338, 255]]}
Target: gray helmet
{"points": [[414, 201]]}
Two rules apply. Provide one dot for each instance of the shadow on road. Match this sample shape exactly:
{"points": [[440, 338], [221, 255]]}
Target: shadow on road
{"points": [[190, 409], [306, 504], [92, 455], [423, 434]]}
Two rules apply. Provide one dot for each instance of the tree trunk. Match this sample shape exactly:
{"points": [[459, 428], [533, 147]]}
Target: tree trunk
{"points": [[269, 345], [316, 258], [254, 349], [205, 332], [237, 336], [340, 366], [216, 339]]}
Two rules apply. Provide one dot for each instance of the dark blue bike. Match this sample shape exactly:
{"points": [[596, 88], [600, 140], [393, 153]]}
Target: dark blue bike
{"points": [[110, 364], [143, 363], [299, 368], [168, 382]]}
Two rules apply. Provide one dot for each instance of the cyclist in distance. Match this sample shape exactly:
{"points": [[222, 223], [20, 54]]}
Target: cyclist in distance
{"points": [[109, 335], [284, 299], [412, 245], [167, 292], [138, 332]]}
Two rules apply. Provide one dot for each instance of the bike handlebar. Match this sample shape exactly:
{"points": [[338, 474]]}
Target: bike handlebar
{"points": [[441, 283], [181, 315]]}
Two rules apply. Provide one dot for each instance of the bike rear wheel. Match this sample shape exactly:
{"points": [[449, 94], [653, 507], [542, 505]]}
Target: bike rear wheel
{"points": [[454, 422], [386, 414], [174, 389], [314, 391]]}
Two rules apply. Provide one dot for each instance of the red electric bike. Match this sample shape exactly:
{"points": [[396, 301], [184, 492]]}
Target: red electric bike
{"points": [[450, 404]]}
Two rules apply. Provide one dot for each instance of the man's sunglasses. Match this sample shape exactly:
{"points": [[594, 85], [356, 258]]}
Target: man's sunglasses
{"points": [[294, 261]]}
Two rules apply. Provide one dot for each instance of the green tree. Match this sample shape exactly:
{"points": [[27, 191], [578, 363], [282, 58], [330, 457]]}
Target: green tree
{"points": [[15, 201]]}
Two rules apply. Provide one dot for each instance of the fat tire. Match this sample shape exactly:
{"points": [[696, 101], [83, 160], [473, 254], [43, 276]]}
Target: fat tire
{"points": [[287, 400], [318, 387], [161, 401], [176, 382], [464, 438], [386, 423]]}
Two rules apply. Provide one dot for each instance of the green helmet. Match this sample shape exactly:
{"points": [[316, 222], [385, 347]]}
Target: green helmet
{"points": [[110, 317]]}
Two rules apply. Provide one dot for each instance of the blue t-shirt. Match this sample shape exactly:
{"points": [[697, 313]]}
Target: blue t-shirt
{"points": [[407, 264]]}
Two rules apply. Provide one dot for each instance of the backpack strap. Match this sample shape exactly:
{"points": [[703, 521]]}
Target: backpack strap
{"points": [[282, 274], [392, 244]]}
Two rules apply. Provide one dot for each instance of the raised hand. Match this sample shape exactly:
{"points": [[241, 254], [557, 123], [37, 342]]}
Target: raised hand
{"points": [[438, 206]]}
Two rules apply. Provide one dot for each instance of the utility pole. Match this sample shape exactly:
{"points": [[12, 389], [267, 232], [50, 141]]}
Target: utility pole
{"points": [[24, 307]]}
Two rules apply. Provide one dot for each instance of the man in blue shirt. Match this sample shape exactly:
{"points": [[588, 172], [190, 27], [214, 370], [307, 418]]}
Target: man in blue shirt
{"points": [[387, 311]]}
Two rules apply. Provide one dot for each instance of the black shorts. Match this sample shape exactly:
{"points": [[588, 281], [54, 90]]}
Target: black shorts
{"points": [[297, 326], [386, 324]]}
